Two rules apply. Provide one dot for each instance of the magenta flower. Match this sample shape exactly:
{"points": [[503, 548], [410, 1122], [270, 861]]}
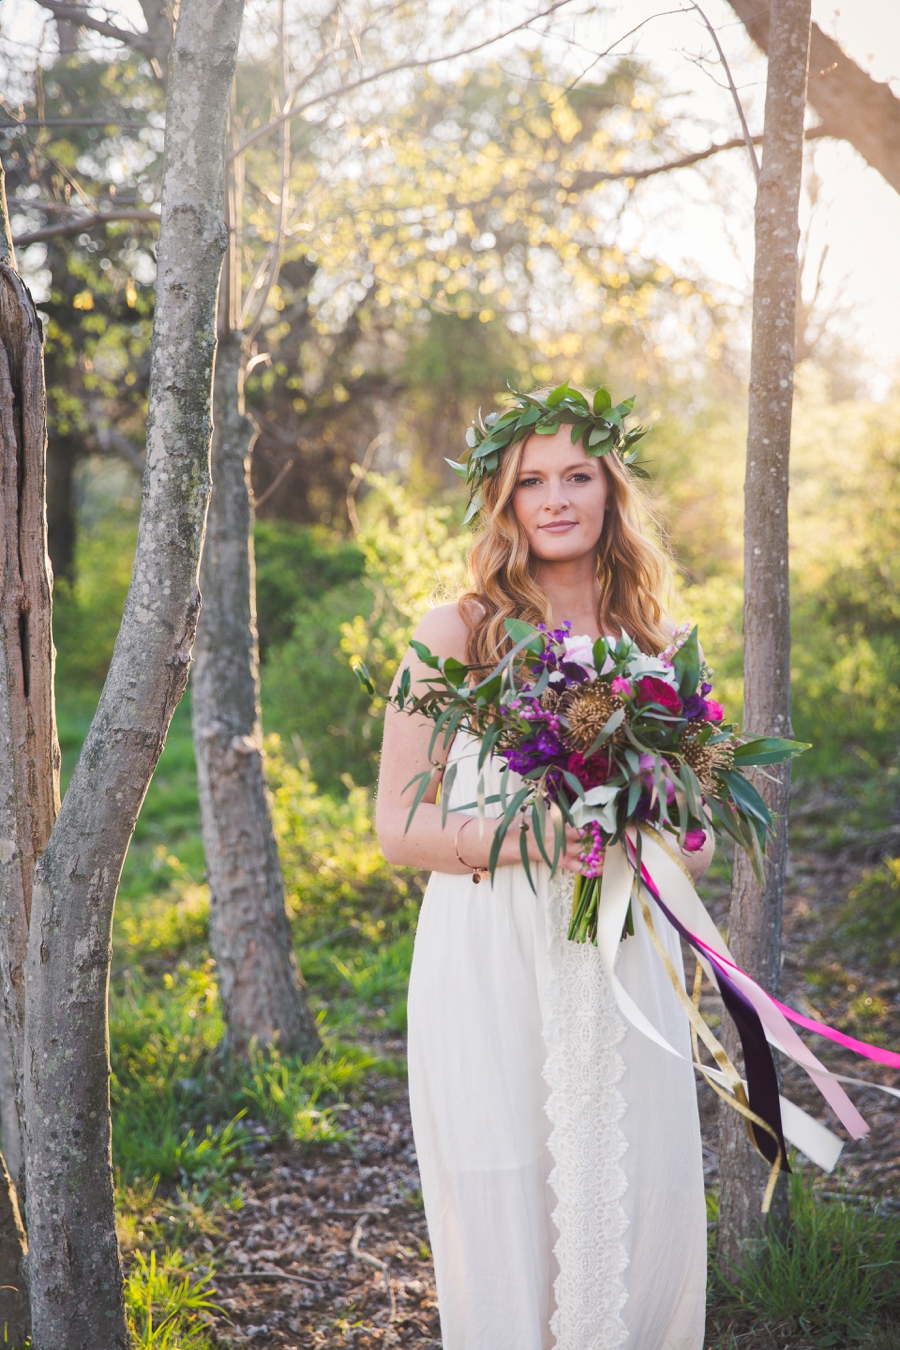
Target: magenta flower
{"points": [[653, 690], [694, 841]]}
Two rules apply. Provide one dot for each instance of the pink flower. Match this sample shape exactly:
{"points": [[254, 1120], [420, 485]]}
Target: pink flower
{"points": [[714, 711], [580, 650], [694, 841], [653, 690], [621, 686]]}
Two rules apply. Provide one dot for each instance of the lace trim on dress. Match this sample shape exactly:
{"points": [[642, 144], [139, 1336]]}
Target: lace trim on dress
{"points": [[583, 1068]]}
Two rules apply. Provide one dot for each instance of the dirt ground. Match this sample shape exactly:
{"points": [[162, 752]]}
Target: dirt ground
{"points": [[331, 1248]]}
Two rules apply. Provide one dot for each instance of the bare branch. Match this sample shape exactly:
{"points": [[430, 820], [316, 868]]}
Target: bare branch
{"points": [[77, 15], [412, 64], [82, 223], [74, 122], [585, 180], [748, 139], [275, 483]]}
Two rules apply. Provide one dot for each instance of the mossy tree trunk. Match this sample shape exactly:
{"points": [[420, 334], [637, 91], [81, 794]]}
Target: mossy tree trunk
{"points": [[755, 918], [29, 752], [74, 1266]]}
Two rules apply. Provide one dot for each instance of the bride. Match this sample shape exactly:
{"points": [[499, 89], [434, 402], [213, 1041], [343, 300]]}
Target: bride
{"points": [[559, 1149]]}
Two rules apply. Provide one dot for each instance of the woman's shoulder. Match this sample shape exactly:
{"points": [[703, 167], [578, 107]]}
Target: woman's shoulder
{"points": [[444, 631]]}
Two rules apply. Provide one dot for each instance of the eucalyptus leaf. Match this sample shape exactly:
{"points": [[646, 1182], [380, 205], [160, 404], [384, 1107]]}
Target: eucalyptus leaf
{"points": [[557, 395]]}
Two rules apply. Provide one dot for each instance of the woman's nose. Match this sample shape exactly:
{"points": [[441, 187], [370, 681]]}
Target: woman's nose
{"points": [[556, 499]]}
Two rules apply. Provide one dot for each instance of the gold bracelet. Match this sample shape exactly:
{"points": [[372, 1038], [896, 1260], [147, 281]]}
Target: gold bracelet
{"points": [[477, 872]]}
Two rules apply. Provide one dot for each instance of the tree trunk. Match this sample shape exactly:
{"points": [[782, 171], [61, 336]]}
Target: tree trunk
{"points": [[29, 753], [262, 994], [76, 1278], [755, 918]]}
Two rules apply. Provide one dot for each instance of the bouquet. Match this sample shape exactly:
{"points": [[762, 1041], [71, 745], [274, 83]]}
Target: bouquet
{"points": [[627, 748], [602, 737]]}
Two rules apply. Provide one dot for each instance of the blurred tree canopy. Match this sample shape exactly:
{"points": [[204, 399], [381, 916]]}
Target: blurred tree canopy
{"points": [[436, 237]]}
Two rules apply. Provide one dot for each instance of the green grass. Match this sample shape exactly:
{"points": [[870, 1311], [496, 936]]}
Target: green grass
{"points": [[833, 1280], [164, 1303]]}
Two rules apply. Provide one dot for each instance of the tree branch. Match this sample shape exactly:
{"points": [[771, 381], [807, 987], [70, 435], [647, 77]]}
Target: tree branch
{"points": [[739, 107], [586, 179], [412, 64], [853, 107], [80, 17], [75, 122], [82, 223]]}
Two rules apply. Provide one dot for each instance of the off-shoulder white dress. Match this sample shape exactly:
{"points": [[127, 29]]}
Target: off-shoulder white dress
{"points": [[559, 1148]]}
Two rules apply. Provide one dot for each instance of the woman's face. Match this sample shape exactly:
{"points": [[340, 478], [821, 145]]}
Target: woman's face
{"points": [[560, 497]]}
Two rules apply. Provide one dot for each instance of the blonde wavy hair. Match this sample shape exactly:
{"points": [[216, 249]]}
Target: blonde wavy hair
{"points": [[632, 570]]}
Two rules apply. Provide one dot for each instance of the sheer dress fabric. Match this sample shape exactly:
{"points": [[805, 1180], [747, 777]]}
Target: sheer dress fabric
{"points": [[559, 1148]]}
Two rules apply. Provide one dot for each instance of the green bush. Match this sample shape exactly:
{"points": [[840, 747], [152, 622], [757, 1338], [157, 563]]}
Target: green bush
{"points": [[295, 566], [337, 882], [287, 1094], [87, 614]]}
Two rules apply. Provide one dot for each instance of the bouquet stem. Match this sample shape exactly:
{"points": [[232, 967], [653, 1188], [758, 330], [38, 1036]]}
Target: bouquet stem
{"points": [[585, 911], [585, 908]]}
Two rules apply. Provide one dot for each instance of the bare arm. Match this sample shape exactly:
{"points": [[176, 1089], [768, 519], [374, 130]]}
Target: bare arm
{"points": [[428, 843]]}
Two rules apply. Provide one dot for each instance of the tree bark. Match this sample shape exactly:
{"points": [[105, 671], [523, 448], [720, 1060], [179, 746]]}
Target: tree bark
{"points": [[853, 107], [76, 1278], [29, 752], [755, 918], [262, 993]]}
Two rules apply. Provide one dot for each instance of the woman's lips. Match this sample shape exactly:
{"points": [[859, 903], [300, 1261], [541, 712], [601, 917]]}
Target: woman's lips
{"points": [[558, 526]]}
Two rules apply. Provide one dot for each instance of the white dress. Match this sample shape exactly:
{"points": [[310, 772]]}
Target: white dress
{"points": [[559, 1148]]}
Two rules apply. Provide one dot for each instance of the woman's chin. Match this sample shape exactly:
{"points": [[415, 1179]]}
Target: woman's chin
{"points": [[562, 548]]}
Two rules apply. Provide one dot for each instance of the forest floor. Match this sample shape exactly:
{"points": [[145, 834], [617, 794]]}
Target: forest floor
{"points": [[330, 1248]]}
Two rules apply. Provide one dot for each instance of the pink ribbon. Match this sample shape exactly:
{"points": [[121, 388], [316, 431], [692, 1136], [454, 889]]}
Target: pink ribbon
{"points": [[888, 1057]]}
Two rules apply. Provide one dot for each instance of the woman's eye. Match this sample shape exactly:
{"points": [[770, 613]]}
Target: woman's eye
{"points": [[528, 482], [580, 478]]}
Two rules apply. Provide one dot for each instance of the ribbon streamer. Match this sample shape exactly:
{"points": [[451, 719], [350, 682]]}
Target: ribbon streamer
{"points": [[685, 910], [760, 1019]]}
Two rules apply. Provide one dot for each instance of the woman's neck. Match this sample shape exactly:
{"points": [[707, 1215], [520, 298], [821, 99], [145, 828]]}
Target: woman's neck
{"points": [[574, 592]]}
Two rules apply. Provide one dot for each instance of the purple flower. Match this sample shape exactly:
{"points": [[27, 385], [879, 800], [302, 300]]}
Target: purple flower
{"points": [[543, 748], [574, 674], [694, 706], [705, 688]]}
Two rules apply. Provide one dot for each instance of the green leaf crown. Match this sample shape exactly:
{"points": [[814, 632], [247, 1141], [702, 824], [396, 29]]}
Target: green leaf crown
{"points": [[597, 424]]}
